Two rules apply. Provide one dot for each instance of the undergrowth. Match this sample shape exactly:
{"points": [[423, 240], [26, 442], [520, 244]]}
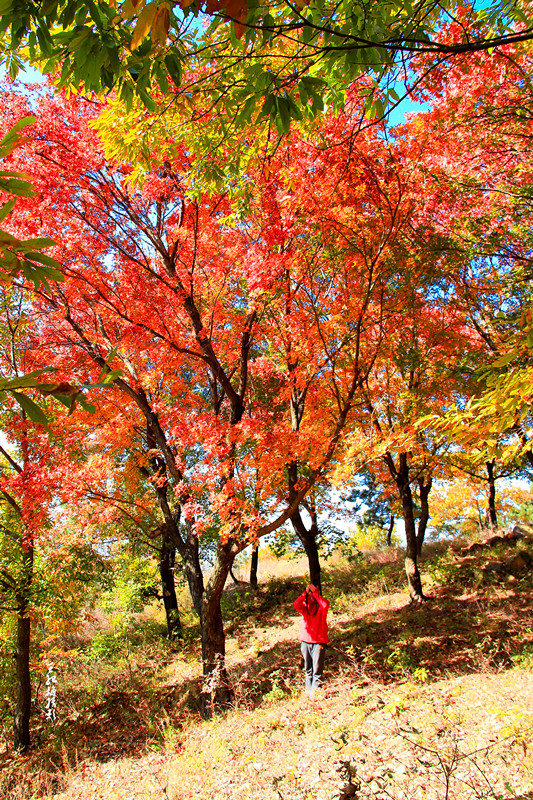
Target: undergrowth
{"points": [[125, 691]]}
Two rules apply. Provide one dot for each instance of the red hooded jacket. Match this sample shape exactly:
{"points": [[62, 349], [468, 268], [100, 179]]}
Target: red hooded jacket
{"points": [[313, 625]]}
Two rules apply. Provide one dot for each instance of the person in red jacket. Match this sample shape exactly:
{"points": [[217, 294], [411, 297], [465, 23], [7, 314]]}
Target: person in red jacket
{"points": [[313, 635]]}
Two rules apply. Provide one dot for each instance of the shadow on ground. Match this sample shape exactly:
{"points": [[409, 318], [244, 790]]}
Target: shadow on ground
{"points": [[456, 632], [444, 637]]}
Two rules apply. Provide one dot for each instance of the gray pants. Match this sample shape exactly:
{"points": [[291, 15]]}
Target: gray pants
{"points": [[313, 656]]}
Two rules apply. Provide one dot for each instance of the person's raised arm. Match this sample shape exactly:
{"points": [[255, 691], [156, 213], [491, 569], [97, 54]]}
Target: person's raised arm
{"points": [[299, 603]]}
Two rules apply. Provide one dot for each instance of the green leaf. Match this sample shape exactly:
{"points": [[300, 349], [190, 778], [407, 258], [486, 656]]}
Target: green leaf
{"points": [[52, 265], [85, 404], [147, 101], [31, 409], [248, 109], [6, 239], [66, 400], [377, 109], [283, 120], [39, 243], [30, 379], [111, 376], [268, 105], [18, 187], [173, 65], [7, 173], [33, 273], [505, 359], [162, 80], [6, 208], [44, 39], [11, 139]]}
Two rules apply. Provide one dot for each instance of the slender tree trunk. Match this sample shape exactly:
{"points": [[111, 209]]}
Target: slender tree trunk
{"points": [[187, 546], [166, 570], [234, 578], [424, 489], [254, 563], [493, 517], [193, 569], [21, 724], [21, 721], [401, 477], [308, 539], [390, 530], [216, 689], [411, 550]]}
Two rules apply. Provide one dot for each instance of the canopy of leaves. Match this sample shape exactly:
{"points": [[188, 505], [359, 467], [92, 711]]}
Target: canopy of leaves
{"points": [[18, 255], [279, 56], [477, 146]]}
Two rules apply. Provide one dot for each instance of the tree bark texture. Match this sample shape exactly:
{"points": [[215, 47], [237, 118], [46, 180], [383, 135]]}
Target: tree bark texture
{"points": [[401, 477], [216, 689], [308, 539], [254, 563], [21, 719], [170, 601], [424, 489], [390, 530], [411, 550], [193, 568], [493, 517], [21, 722]]}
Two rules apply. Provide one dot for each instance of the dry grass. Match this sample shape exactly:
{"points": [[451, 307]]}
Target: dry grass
{"points": [[433, 702], [271, 567]]}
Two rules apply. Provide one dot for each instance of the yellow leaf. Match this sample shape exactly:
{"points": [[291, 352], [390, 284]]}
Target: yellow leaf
{"points": [[129, 9], [161, 24], [144, 23]]}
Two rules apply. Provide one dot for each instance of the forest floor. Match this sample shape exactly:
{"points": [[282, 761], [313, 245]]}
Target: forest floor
{"points": [[432, 701]]}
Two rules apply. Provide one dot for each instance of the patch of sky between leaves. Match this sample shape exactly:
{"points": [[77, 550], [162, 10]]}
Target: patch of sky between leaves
{"points": [[398, 115], [26, 75]]}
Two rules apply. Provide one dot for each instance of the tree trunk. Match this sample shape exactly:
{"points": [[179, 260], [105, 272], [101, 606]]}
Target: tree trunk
{"points": [[308, 539], [167, 556], [234, 578], [216, 689], [493, 517], [424, 489], [21, 720], [193, 569], [254, 563], [411, 550], [21, 723], [401, 477], [390, 530]]}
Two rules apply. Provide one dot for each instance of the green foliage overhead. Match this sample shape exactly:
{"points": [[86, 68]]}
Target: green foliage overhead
{"points": [[288, 56]]}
